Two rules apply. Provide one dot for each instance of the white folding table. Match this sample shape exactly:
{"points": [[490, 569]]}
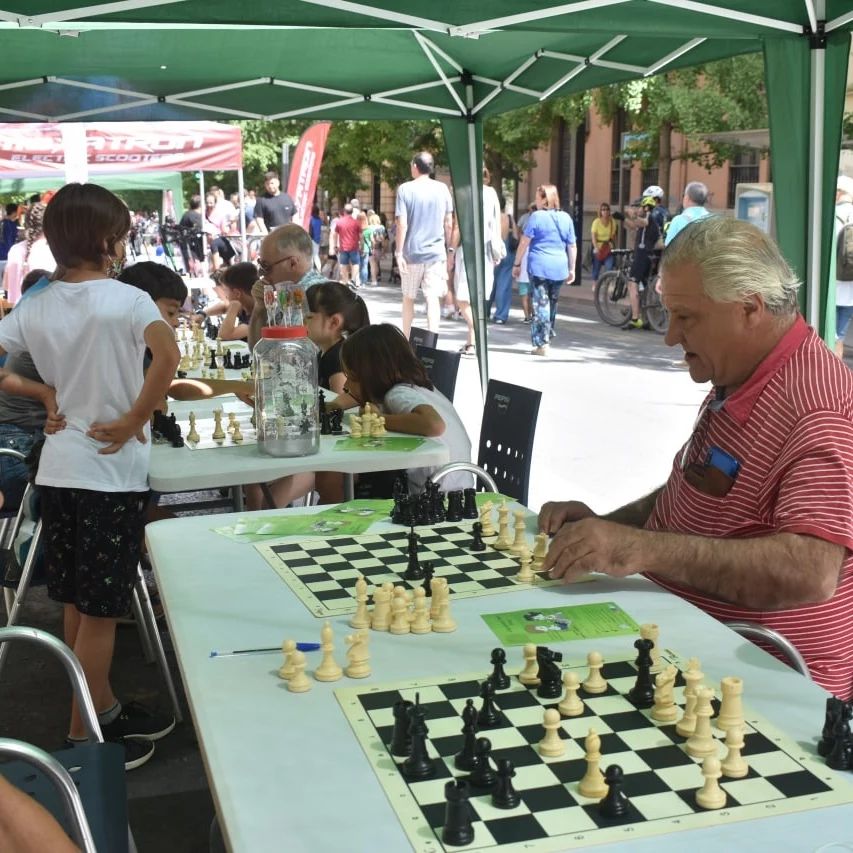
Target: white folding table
{"points": [[287, 773]]}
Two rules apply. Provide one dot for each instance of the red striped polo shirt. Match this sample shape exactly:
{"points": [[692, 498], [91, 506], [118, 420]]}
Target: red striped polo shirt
{"points": [[790, 425]]}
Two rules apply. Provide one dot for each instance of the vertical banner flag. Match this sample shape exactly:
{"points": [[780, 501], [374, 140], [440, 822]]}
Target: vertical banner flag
{"points": [[305, 169]]}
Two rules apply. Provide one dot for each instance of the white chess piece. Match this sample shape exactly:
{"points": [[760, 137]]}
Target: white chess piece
{"points": [[593, 785], [355, 426], [399, 613], [435, 586], [731, 703], [529, 675], [734, 765], [288, 647], [595, 682], [357, 655], [693, 677], [526, 573], [361, 617], [701, 743], [519, 544], [218, 432], [381, 619], [379, 427], [486, 519], [552, 745], [329, 669], [236, 435], [445, 623], [420, 624], [193, 435], [571, 704], [711, 795], [540, 551], [299, 681], [503, 541], [650, 631], [664, 708]]}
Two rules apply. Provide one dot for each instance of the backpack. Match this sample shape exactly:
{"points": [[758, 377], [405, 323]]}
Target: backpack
{"points": [[844, 251]]}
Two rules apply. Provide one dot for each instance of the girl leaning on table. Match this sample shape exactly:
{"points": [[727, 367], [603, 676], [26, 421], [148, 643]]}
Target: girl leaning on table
{"points": [[381, 368]]}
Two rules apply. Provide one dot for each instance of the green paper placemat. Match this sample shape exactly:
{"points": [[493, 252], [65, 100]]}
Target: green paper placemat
{"points": [[394, 443], [561, 624]]}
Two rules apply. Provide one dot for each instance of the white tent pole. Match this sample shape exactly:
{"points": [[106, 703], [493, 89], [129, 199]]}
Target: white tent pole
{"points": [[502, 85], [538, 15], [100, 9], [209, 108], [383, 14], [418, 87], [112, 90], [317, 108], [426, 48], [240, 188], [394, 102], [101, 110], [840, 21], [307, 87], [816, 104], [811, 13], [671, 57], [732, 15]]}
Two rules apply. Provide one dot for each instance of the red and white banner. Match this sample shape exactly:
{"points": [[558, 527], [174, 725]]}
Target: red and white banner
{"points": [[305, 170], [39, 150]]}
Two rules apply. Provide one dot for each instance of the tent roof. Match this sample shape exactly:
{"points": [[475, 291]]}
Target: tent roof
{"points": [[192, 59]]}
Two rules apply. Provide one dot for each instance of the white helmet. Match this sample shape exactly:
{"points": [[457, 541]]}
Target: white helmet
{"points": [[654, 191]]}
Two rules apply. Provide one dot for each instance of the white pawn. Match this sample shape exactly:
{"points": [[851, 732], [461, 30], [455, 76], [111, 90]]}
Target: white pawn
{"points": [[299, 681], [486, 519], [236, 435], [552, 746], [445, 623], [540, 551], [329, 670], [379, 427], [357, 655], [711, 795], [519, 544], [288, 647], [355, 426], [593, 785], [361, 617], [701, 743], [526, 574], [529, 675], [595, 682], [381, 619], [420, 624], [232, 422], [731, 703], [571, 704], [734, 764], [399, 613]]}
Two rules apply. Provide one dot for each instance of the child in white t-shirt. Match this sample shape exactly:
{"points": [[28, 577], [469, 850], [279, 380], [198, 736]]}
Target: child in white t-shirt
{"points": [[381, 368], [87, 334]]}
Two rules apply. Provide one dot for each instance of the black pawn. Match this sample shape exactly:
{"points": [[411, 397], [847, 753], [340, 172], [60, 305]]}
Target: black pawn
{"points": [[839, 756], [642, 694], [477, 543], [488, 716], [466, 758], [418, 765], [615, 804], [457, 831], [483, 774], [470, 508], [401, 740], [504, 795], [498, 677], [429, 572], [454, 506]]}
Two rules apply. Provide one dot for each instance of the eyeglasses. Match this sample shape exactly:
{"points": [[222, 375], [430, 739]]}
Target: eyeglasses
{"points": [[266, 268]]}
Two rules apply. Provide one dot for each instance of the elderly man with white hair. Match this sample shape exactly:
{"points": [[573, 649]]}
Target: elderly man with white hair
{"points": [[756, 519]]}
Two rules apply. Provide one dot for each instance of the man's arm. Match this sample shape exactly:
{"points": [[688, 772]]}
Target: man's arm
{"points": [[259, 217], [554, 514], [448, 228], [402, 225]]}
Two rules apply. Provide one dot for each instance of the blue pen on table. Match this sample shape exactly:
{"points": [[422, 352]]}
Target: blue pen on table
{"points": [[302, 647]]}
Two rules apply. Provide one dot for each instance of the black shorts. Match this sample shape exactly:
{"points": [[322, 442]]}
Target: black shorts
{"points": [[92, 543], [641, 266]]}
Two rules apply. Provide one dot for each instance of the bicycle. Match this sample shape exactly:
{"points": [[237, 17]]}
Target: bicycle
{"points": [[611, 294]]}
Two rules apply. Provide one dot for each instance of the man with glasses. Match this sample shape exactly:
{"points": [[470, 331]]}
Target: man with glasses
{"points": [[755, 521], [285, 258]]}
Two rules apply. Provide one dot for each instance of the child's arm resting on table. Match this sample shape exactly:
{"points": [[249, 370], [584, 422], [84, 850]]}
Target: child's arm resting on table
{"points": [[422, 420], [202, 389], [165, 357]]}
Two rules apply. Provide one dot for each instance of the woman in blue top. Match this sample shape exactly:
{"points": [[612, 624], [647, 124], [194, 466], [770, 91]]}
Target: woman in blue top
{"points": [[548, 243]]}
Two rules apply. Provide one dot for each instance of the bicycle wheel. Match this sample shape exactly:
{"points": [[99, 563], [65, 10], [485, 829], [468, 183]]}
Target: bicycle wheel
{"points": [[656, 315], [611, 298]]}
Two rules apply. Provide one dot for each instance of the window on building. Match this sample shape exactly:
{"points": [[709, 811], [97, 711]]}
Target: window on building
{"points": [[650, 176], [619, 126], [743, 169]]}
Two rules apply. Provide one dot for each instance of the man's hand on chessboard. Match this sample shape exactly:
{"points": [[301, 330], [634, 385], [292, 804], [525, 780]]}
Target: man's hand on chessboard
{"points": [[117, 433], [554, 514], [594, 545]]}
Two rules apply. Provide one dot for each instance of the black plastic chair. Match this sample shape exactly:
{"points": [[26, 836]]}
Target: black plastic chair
{"points": [[422, 338], [506, 436], [442, 368]]}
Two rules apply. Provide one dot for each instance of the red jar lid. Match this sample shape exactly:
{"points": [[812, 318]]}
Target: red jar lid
{"points": [[279, 332]]}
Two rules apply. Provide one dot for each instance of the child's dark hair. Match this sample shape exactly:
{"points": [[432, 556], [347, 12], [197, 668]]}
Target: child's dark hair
{"points": [[12, 210], [240, 276], [332, 297], [83, 223], [379, 357], [157, 281], [31, 278]]}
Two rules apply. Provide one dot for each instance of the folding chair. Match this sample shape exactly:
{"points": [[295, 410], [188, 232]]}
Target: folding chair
{"points": [[83, 787], [760, 634], [442, 368], [506, 436], [476, 470], [422, 338]]}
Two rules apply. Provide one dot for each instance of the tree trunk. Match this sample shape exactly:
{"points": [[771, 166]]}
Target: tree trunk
{"points": [[665, 158]]}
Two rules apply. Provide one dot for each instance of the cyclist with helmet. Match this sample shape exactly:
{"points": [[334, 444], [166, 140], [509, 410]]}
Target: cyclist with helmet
{"points": [[641, 219], [660, 213]]}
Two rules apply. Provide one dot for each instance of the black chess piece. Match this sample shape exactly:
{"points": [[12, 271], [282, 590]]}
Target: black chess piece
{"points": [[226, 361], [483, 775], [454, 506], [458, 830], [213, 365], [422, 509], [839, 756], [418, 765], [504, 795], [336, 420], [550, 675], [642, 694], [321, 401], [429, 573], [439, 513], [247, 360], [465, 759], [488, 716], [325, 423], [401, 740], [398, 492], [833, 713], [499, 678], [414, 570], [469, 509], [615, 804], [477, 543]]}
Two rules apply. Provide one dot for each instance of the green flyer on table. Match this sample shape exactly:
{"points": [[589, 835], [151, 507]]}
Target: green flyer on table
{"points": [[561, 624]]}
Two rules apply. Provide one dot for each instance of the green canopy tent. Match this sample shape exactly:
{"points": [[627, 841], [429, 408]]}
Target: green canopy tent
{"points": [[456, 60]]}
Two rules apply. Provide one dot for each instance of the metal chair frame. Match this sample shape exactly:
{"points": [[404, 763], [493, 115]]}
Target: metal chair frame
{"points": [[755, 631]]}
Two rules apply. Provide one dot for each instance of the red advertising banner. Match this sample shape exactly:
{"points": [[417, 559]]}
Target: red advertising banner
{"points": [[305, 170], [39, 150]]}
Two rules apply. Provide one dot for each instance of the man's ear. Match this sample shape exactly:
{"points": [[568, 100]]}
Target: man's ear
{"points": [[755, 310]]}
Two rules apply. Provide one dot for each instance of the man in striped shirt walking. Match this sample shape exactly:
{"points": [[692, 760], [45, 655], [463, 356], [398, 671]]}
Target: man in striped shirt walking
{"points": [[756, 519]]}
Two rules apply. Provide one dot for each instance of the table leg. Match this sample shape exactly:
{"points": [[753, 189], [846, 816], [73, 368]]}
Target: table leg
{"points": [[237, 498], [349, 487]]}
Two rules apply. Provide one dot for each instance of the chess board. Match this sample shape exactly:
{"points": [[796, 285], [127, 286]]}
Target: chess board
{"points": [[661, 779], [322, 573], [204, 427]]}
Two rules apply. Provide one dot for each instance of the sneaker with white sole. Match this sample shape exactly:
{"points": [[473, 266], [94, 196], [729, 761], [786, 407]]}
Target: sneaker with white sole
{"points": [[136, 750], [136, 721]]}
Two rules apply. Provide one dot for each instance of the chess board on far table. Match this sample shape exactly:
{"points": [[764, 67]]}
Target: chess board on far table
{"points": [[660, 777], [322, 573], [204, 427]]}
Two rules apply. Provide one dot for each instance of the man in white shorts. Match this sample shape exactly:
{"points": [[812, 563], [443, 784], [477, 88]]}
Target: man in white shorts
{"points": [[424, 212]]}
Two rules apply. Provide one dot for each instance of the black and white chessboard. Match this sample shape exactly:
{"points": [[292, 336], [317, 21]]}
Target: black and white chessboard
{"points": [[322, 573], [661, 779]]}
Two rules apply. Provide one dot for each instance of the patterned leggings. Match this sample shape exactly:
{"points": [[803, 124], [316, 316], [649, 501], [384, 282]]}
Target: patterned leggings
{"points": [[543, 297]]}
